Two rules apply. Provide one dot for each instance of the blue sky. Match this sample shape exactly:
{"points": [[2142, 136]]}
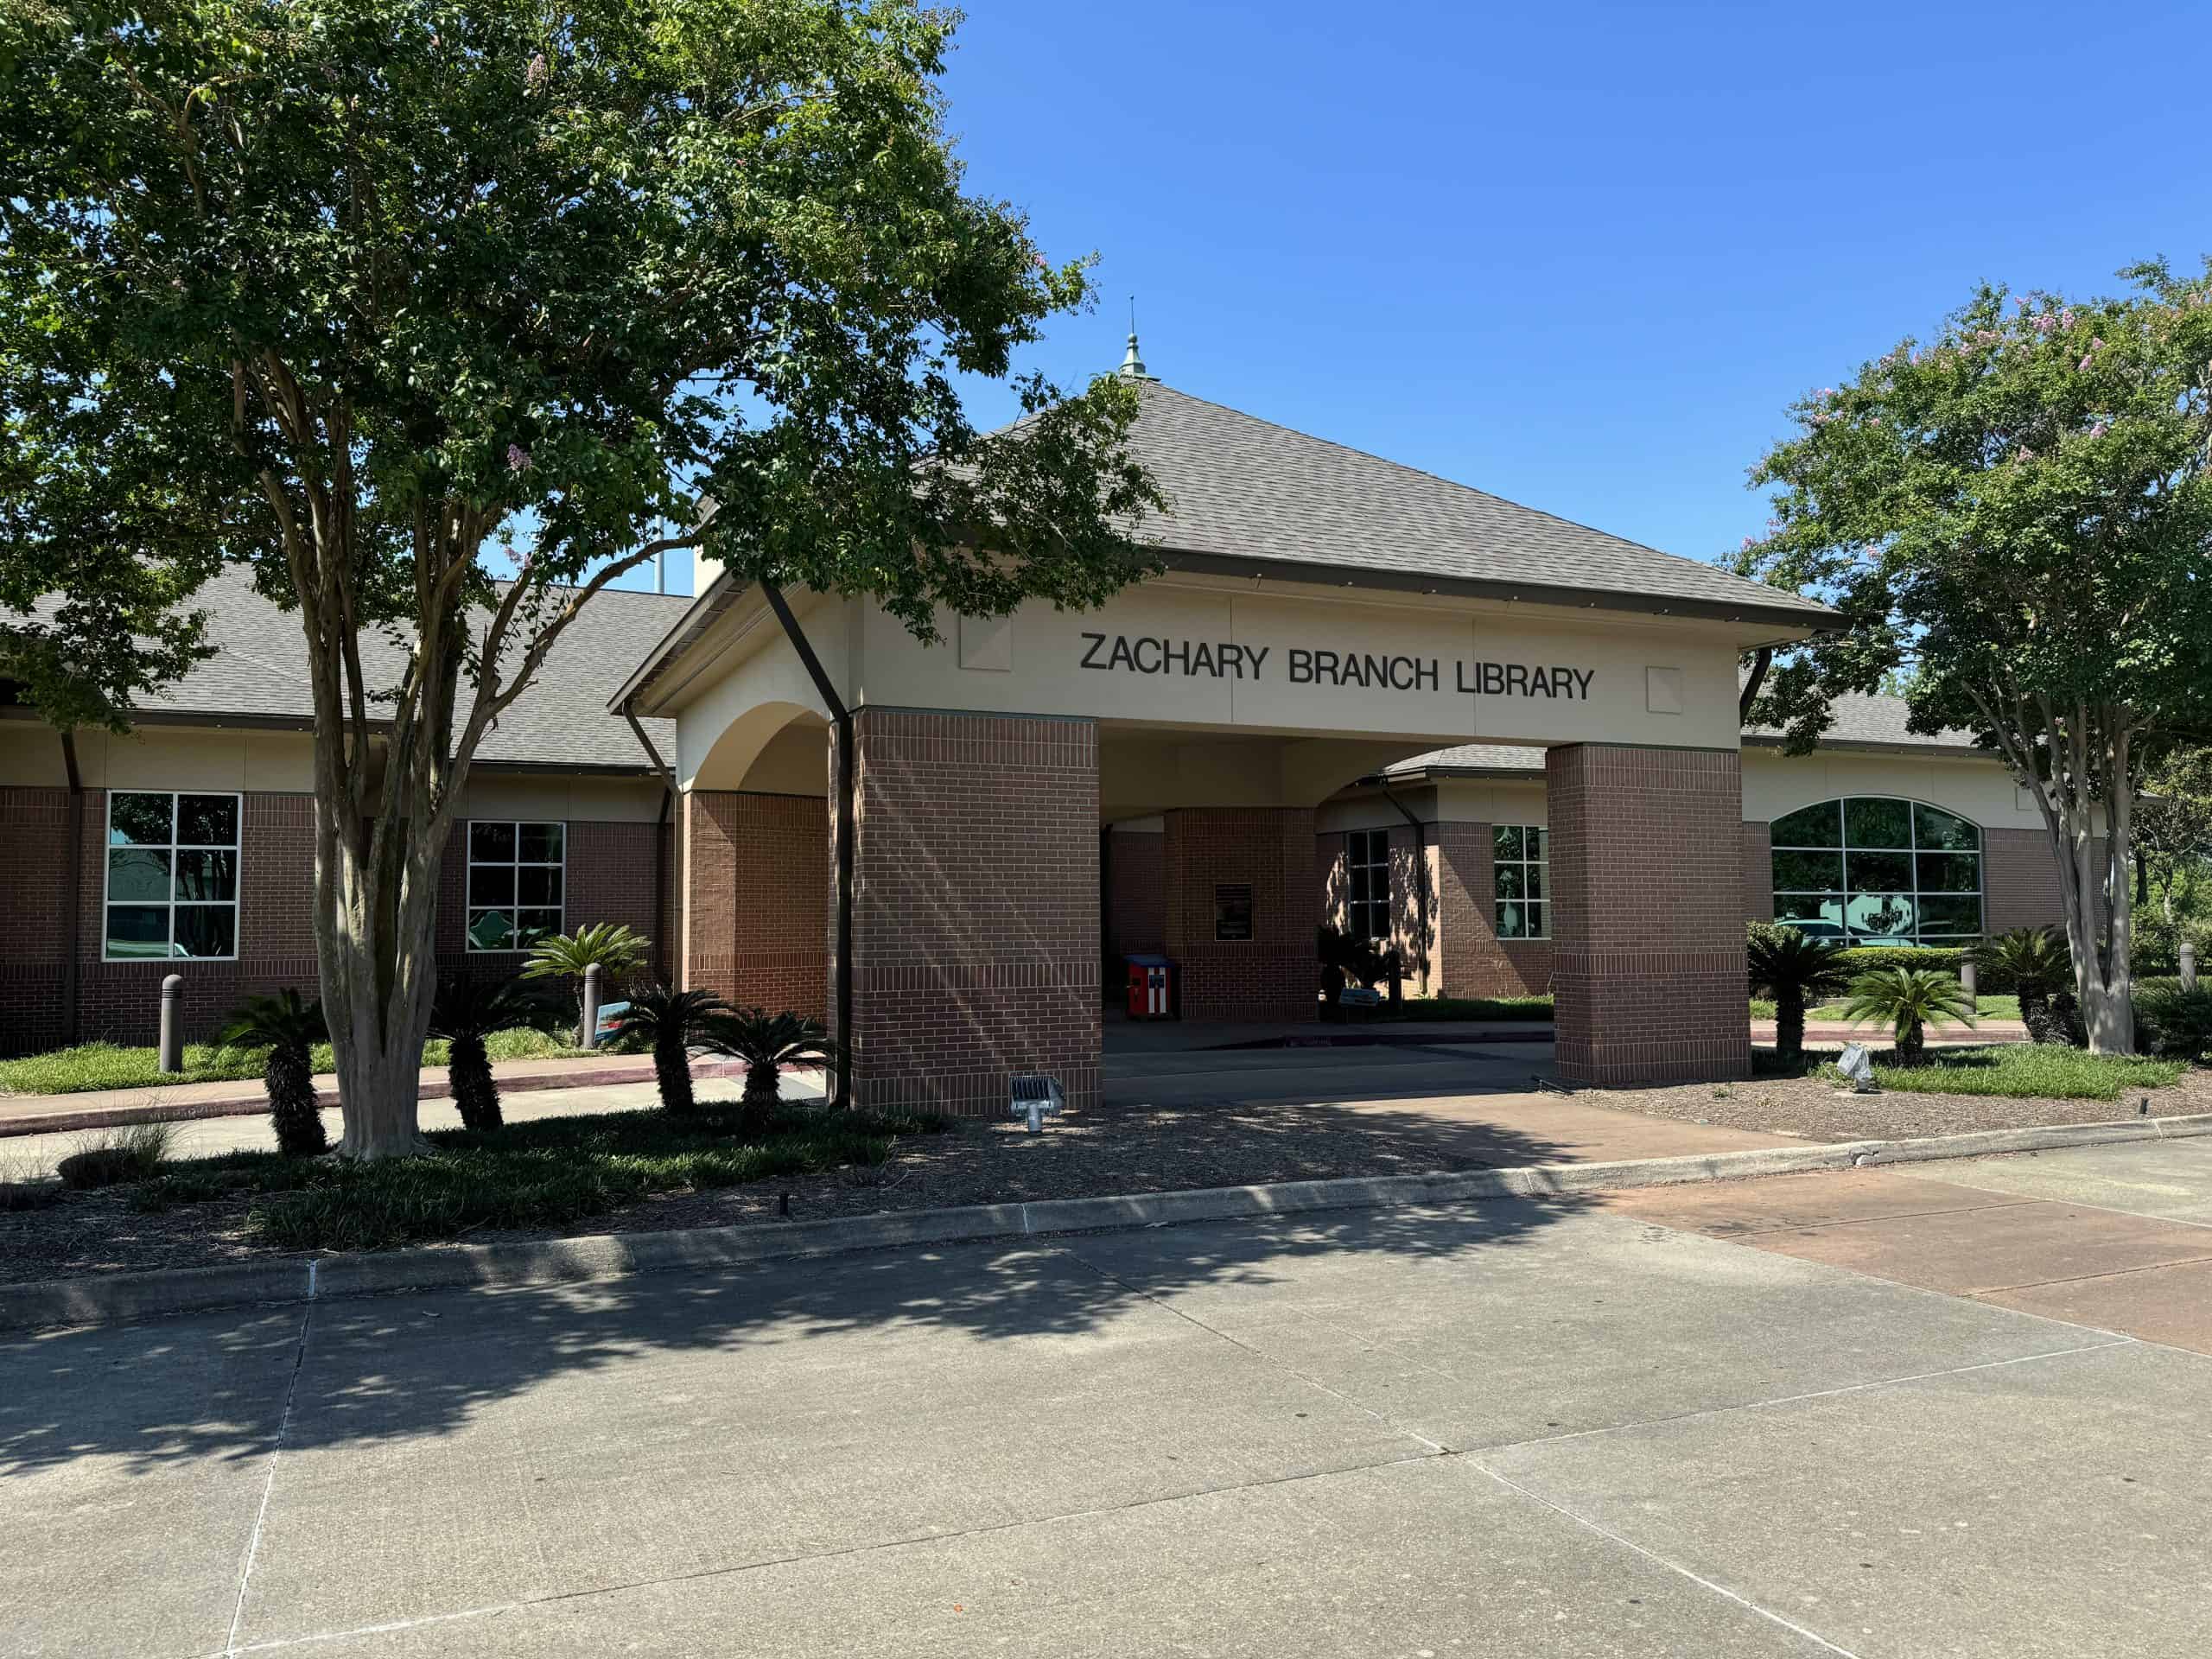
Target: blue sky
{"points": [[1581, 256]]}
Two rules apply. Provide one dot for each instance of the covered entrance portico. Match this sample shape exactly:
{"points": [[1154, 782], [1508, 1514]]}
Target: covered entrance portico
{"points": [[1225, 709]]}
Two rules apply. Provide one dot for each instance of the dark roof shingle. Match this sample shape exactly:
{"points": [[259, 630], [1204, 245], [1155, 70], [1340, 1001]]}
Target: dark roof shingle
{"points": [[1242, 488]]}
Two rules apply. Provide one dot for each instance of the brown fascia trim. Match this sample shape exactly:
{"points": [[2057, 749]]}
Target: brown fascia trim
{"points": [[1858, 746], [1818, 620], [720, 595]]}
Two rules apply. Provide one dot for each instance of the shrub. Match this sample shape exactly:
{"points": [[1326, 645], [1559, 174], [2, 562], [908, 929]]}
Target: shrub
{"points": [[767, 1043], [108, 1159], [288, 1029], [1795, 968], [2174, 1022], [1907, 1001], [615, 950], [674, 1022], [2035, 962], [467, 1013]]}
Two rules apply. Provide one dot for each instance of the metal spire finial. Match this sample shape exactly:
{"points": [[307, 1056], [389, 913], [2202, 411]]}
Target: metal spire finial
{"points": [[1133, 365]]}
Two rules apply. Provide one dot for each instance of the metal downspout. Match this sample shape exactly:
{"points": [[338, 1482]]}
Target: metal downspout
{"points": [[843, 717], [1420, 880], [660, 847], [73, 903]]}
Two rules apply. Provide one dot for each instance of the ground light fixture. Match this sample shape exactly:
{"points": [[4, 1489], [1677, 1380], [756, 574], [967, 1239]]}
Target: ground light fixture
{"points": [[1858, 1069], [1034, 1097]]}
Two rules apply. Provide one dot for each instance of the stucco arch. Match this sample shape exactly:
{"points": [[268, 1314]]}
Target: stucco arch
{"points": [[749, 744]]}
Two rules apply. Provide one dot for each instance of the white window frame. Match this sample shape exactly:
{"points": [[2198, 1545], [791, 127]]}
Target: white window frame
{"points": [[1940, 939], [108, 847], [1353, 845], [469, 863], [1524, 864]]}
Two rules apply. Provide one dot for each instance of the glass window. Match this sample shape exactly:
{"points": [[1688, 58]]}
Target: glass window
{"points": [[517, 883], [1521, 861], [1367, 864], [171, 876], [1881, 871]]}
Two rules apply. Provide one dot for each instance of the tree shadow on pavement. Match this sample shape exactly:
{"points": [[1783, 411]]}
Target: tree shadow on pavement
{"points": [[413, 1366]]}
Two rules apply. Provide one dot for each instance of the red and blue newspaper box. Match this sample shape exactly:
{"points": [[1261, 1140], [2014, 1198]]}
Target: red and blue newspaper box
{"points": [[1151, 987]]}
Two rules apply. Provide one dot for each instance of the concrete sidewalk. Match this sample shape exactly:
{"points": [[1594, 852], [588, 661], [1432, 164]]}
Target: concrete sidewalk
{"points": [[1529, 1428], [92, 1109]]}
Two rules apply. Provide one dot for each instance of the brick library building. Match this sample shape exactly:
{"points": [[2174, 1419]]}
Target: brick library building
{"points": [[1503, 742]]}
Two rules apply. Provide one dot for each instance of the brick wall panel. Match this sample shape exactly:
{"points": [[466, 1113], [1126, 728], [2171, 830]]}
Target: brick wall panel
{"points": [[1647, 857], [1273, 975], [757, 900], [976, 924]]}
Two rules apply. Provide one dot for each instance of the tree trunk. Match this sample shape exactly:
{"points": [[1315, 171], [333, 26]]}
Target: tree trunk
{"points": [[293, 1114], [475, 1093], [1912, 1043], [375, 919], [672, 1072], [1789, 1027]]}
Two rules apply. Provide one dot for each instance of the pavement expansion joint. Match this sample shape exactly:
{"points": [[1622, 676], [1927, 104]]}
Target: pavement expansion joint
{"points": [[2086, 1278], [269, 1481], [1657, 1559]]}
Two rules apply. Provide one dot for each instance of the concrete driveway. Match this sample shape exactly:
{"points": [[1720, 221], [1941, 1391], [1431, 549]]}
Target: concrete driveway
{"points": [[1557, 1428]]}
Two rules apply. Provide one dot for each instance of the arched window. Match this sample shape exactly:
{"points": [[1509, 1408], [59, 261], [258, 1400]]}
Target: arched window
{"points": [[1877, 871]]}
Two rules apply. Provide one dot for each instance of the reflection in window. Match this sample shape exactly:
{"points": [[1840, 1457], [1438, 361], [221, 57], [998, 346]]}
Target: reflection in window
{"points": [[1367, 866], [171, 876], [517, 874], [1521, 859], [1877, 871]]}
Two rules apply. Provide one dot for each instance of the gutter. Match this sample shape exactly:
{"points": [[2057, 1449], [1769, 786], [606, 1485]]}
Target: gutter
{"points": [[72, 902], [1421, 875], [843, 718]]}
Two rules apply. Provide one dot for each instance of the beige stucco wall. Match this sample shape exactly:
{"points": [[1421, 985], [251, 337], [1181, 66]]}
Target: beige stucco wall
{"points": [[571, 797], [161, 757], [1974, 786], [1036, 662]]}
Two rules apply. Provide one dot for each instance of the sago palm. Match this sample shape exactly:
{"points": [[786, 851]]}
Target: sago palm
{"points": [[617, 951], [288, 1029], [767, 1043], [1794, 968], [1908, 1001], [2037, 962], [675, 1022], [465, 1012]]}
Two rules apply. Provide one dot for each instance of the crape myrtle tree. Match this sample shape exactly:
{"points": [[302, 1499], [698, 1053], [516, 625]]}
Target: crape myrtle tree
{"points": [[347, 291], [2014, 518]]}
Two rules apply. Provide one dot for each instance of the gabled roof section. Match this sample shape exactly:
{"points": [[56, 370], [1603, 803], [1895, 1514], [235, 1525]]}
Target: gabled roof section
{"points": [[258, 675], [1244, 489]]}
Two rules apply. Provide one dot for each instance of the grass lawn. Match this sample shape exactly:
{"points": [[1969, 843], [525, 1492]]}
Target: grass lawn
{"points": [[541, 1173], [110, 1065], [2026, 1071], [1991, 1008]]}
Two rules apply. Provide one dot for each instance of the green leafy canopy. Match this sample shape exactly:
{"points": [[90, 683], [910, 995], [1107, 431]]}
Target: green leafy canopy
{"points": [[2015, 518], [345, 289]]}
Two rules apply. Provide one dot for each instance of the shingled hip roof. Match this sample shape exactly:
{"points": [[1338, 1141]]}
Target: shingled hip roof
{"points": [[1245, 489]]}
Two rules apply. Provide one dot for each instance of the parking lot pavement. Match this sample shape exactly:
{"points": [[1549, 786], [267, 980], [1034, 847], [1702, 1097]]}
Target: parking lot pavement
{"points": [[1556, 1428], [2116, 1237]]}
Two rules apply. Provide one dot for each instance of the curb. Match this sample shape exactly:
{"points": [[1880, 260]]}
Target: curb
{"points": [[128, 1296], [251, 1102]]}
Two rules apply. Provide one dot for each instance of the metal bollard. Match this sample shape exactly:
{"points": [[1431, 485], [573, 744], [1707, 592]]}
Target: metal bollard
{"points": [[2188, 966], [588, 1026], [172, 1054], [1968, 974]]}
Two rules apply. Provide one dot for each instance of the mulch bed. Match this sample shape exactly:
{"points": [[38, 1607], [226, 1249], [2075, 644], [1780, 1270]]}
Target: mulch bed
{"points": [[1811, 1107], [1102, 1151], [1099, 1152]]}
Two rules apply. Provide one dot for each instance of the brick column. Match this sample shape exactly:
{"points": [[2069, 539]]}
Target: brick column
{"points": [[1276, 974], [976, 909], [1647, 874], [751, 870]]}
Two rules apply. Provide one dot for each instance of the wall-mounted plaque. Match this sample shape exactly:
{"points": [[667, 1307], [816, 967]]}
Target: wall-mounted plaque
{"points": [[1232, 911]]}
